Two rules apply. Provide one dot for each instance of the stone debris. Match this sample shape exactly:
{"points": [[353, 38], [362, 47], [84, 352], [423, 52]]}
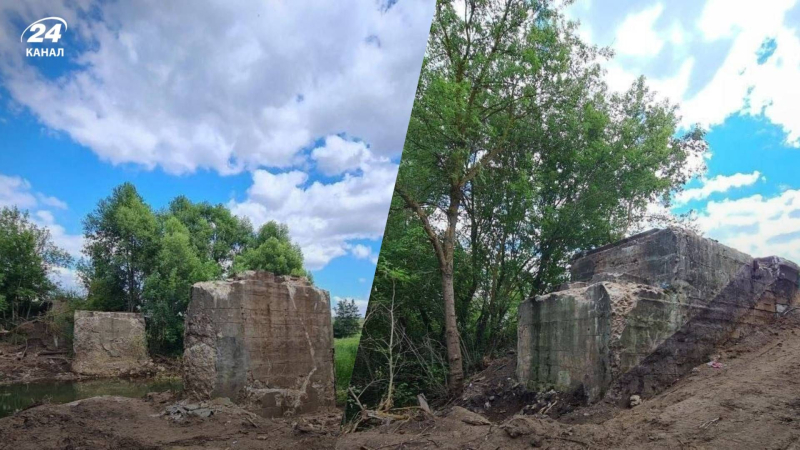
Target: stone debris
{"points": [[110, 344], [643, 311], [264, 341], [180, 411]]}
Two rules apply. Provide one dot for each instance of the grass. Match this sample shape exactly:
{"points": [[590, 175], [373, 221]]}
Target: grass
{"points": [[345, 358]]}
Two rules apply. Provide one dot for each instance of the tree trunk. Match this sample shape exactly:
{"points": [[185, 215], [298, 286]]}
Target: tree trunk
{"points": [[454, 359], [454, 363]]}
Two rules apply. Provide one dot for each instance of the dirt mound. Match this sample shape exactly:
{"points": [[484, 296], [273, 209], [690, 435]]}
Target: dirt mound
{"points": [[749, 399], [124, 423], [496, 394]]}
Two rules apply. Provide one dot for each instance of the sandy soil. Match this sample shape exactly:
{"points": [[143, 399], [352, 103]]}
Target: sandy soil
{"points": [[123, 423], [753, 401]]}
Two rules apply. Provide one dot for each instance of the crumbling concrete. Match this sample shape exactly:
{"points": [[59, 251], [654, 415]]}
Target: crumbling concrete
{"points": [[264, 341], [644, 311], [109, 344]]}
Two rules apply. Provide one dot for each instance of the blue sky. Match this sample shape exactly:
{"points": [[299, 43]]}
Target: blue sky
{"points": [[732, 67], [281, 111]]}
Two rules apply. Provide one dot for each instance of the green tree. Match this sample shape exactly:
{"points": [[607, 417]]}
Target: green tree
{"points": [[347, 319], [122, 242], [167, 288], [141, 260], [215, 233], [516, 157], [27, 256], [272, 250]]}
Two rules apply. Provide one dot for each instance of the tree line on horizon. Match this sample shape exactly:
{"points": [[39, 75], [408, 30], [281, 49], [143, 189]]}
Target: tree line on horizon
{"points": [[138, 259], [517, 156]]}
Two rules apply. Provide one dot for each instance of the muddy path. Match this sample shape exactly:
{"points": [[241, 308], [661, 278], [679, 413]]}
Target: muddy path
{"points": [[752, 401]]}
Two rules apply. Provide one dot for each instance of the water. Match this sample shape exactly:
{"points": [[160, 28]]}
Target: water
{"points": [[19, 396]]}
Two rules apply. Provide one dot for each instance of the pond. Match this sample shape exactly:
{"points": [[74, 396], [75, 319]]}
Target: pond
{"points": [[16, 397]]}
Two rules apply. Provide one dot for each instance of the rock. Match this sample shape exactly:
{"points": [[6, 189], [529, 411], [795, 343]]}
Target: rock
{"points": [[109, 344], [265, 341], [467, 416], [201, 412], [635, 401]]}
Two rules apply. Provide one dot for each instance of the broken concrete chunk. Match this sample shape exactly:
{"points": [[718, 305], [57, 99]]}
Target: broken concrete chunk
{"points": [[264, 341], [645, 310], [109, 344]]}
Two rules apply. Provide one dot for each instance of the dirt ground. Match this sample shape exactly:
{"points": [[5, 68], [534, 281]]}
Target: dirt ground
{"points": [[752, 401], [131, 424], [32, 355]]}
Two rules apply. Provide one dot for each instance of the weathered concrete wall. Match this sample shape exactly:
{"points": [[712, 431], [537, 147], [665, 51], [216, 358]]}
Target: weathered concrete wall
{"points": [[264, 341], [766, 281], [109, 344], [629, 300], [668, 258]]}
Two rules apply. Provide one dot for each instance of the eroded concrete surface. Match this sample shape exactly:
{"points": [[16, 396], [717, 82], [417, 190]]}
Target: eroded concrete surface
{"points": [[109, 344], [264, 341], [642, 312]]}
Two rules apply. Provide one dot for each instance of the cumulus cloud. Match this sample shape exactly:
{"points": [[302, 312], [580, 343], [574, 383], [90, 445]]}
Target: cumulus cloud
{"points": [[340, 155], [361, 251], [708, 57], [759, 225], [637, 35], [719, 183], [230, 86], [322, 217], [16, 191]]}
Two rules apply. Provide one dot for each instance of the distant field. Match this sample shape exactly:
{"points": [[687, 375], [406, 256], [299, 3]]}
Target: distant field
{"points": [[346, 349]]}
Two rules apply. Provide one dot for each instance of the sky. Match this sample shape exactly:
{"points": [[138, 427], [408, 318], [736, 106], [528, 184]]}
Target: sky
{"points": [[289, 111], [733, 67]]}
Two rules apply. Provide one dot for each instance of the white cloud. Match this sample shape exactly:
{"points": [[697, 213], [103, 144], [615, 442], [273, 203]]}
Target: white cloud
{"points": [[637, 35], [676, 46], [322, 217], [719, 183], [67, 279], [361, 251], [16, 191], [230, 86], [758, 225], [339, 155]]}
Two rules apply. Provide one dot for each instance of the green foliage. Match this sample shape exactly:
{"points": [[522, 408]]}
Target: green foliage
{"points": [[214, 232], [142, 260], [122, 243], [516, 141], [346, 322], [167, 289], [27, 255], [345, 350], [273, 251]]}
